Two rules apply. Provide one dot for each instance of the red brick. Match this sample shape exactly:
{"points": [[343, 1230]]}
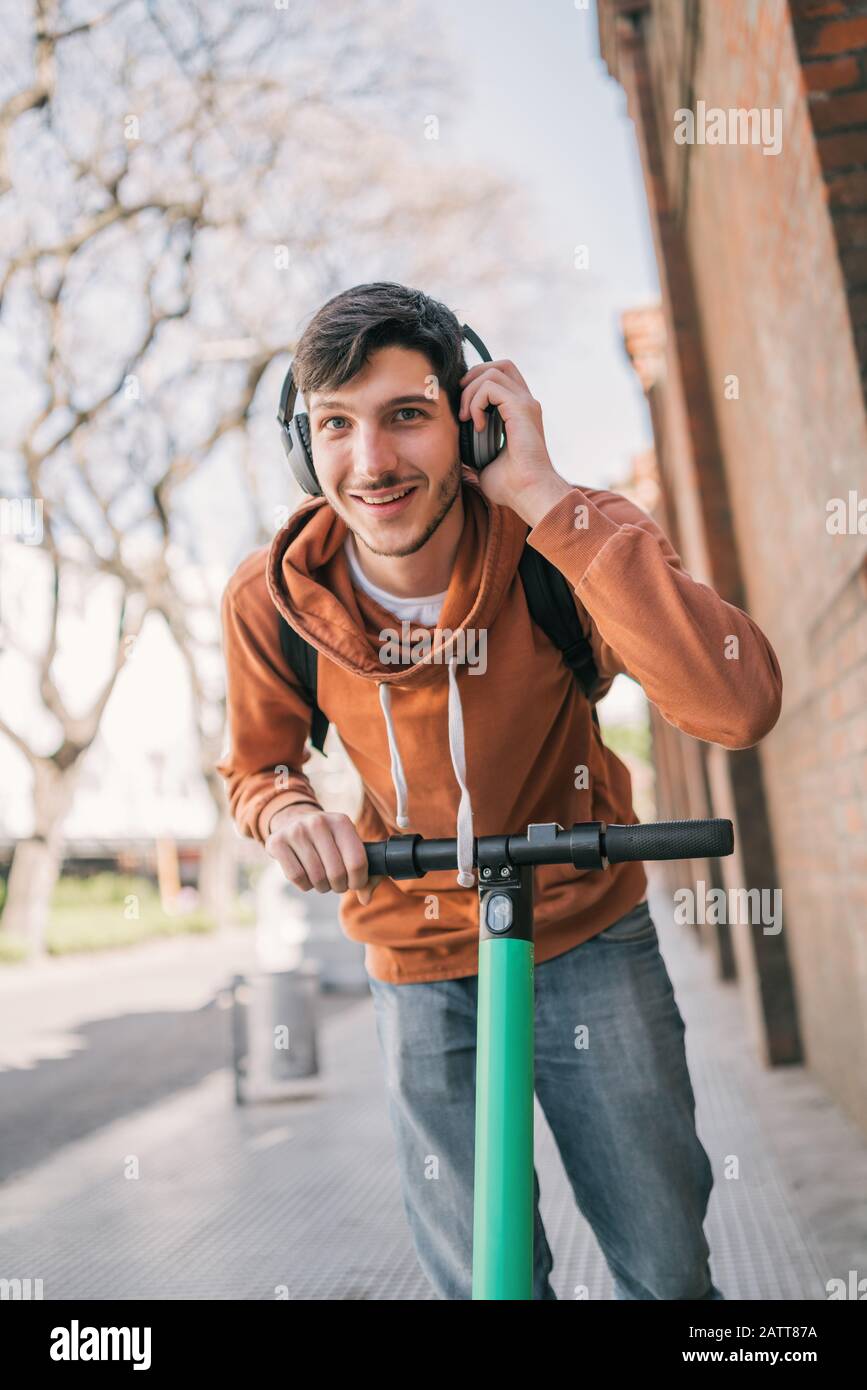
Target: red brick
{"points": [[831, 74], [839, 36], [851, 229], [848, 190], [855, 266], [814, 9], [836, 112], [840, 151]]}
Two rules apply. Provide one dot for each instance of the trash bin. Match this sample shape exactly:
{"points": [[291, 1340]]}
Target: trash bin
{"points": [[274, 1016]]}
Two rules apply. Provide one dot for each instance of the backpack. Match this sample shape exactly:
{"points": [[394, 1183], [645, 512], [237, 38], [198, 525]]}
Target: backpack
{"points": [[552, 608]]}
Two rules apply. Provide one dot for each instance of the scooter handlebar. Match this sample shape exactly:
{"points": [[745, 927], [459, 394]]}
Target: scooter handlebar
{"points": [[589, 845]]}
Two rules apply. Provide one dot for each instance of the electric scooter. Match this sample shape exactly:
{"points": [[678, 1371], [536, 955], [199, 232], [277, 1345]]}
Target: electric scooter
{"points": [[505, 1050]]}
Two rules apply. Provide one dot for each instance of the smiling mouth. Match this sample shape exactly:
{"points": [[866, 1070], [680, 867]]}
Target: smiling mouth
{"points": [[384, 499]]}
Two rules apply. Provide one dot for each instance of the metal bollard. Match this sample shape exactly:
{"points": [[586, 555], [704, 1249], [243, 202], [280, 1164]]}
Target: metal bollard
{"points": [[274, 1016]]}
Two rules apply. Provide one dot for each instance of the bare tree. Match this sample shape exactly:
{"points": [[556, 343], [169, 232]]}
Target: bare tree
{"points": [[181, 184]]}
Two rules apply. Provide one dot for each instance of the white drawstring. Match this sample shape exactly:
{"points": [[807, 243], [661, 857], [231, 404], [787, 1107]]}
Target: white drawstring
{"points": [[465, 809], [397, 775], [464, 833]]}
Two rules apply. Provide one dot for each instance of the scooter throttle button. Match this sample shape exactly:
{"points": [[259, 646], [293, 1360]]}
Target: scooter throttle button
{"points": [[498, 913]]}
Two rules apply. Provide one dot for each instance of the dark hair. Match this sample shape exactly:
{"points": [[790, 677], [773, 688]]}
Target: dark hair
{"points": [[342, 334]]}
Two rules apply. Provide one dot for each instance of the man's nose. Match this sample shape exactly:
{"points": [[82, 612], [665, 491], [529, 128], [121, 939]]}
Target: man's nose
{"points": [[374, 452]]}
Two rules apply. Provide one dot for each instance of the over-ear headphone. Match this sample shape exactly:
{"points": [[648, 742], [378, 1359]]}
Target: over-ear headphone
{"points": [[478, 448]]}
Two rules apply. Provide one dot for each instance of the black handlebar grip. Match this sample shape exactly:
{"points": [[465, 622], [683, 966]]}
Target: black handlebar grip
{"points": [[673, 839], [401, 856], [376, 858]]}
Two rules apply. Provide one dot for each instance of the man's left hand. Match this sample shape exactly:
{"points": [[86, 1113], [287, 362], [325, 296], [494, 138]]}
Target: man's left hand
{"points": [[522, 476]]}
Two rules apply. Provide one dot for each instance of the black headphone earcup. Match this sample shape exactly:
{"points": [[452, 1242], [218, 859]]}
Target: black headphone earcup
{"points": [[478, 448], [301, 456], [303, 424], [465, 429]]}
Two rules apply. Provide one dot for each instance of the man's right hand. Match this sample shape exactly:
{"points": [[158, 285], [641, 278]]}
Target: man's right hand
{"points": [[320, 849]]}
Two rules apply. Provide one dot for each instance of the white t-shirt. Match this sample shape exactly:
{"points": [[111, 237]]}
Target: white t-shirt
{"points": [[425, 610]]}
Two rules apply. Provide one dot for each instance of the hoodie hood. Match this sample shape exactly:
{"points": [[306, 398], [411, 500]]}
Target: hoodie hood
{"points": [[310, 584]]}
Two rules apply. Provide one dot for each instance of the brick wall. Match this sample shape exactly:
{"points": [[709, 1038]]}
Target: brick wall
{"points": [[831, 39], [774, 248]]}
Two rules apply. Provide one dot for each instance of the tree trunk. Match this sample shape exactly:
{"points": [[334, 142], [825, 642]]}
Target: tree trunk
{"points": [[37, 860], [34, 872]]}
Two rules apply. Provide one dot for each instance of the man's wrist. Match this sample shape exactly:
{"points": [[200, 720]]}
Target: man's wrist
{"points": [[293, 806], [536, 499]]}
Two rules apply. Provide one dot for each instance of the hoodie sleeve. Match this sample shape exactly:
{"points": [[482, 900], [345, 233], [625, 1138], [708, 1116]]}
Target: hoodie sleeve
{"points": [[268, 718], [703, 663]]}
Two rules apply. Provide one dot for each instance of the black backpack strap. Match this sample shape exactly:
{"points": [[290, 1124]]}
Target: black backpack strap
{"points": [[552, 607], [301, 657]]}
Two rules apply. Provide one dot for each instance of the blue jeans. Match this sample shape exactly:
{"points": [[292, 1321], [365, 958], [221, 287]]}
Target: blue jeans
{"points": [[620, 1107]]}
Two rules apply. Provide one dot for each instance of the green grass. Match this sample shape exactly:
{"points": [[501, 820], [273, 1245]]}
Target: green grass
{"points": [[628, 740], [12, 948], [106, 911]]}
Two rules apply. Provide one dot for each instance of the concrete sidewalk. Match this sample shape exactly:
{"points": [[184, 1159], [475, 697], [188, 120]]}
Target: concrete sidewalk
{"points": [[304, 1194]]}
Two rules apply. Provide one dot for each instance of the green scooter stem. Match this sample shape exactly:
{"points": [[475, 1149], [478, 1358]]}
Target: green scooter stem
{"points": [[505, 1064], [504, 1182]]}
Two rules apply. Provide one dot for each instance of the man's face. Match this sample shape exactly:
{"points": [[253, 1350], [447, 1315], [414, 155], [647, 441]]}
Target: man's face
{"points": [[379, 434]]}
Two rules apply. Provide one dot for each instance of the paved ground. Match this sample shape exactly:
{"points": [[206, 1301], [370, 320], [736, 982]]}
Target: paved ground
{"points": [[136, 1176], [85, 1041]]}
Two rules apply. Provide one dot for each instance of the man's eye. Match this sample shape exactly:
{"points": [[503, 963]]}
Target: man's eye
{"points": [[341, 418], [413, 410]]}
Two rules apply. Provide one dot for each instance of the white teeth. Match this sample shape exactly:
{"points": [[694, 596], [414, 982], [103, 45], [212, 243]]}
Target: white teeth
{"points": [[378, 502]]}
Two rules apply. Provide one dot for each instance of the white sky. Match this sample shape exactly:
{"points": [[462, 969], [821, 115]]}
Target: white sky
{"points": [[546, 114]]}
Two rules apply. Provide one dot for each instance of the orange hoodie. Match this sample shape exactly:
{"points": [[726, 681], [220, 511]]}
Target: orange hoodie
{"points": [[444, 749]]}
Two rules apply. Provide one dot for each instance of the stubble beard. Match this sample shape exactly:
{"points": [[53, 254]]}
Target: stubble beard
{"points": [[447, 492]]}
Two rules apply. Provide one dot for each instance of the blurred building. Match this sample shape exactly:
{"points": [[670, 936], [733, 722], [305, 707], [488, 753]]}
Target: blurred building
{"points": [[754, 365]]}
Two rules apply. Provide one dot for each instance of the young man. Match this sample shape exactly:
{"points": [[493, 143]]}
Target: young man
{"points": [[488, 746]]}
